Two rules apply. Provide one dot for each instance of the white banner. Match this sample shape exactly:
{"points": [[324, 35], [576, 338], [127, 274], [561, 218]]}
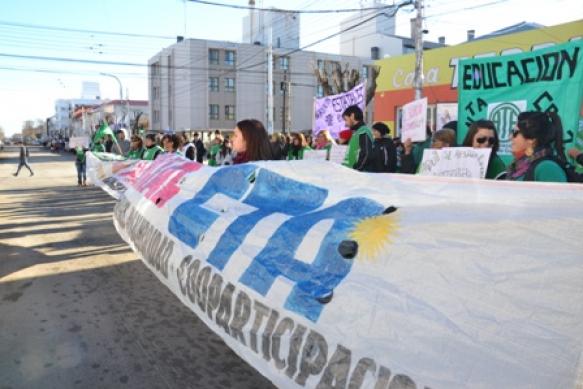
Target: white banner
{"points": [[317, 155], [445, 113], [338, 153], [321, 276], [465, 162], [414, 124], [328, 110]]}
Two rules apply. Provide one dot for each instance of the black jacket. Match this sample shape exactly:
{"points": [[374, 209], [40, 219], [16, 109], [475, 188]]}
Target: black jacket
{"points": [[384, 154]]}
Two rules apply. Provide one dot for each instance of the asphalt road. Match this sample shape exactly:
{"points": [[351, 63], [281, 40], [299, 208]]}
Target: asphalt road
{"points": [[78, 309]]}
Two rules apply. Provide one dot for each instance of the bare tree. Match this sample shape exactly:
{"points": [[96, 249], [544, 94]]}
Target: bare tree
{"points": [[334, 79]]}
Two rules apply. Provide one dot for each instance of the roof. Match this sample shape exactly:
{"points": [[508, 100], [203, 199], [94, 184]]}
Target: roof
{"points": [[520, 27]]}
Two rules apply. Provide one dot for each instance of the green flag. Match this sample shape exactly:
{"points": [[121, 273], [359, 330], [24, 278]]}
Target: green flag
{"points": [[499, 88], [102, 132]]}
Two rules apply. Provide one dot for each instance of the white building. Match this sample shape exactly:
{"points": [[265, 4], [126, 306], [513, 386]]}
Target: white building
{"points": [[285, 27], [64, 109], [376, 38], [202, 84]]}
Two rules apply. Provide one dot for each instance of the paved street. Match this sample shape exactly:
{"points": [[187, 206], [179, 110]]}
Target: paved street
{"points": [[78, 309]]}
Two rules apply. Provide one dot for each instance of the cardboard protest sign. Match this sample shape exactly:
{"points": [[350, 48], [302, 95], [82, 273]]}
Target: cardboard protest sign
{"points": [[338, 153], [317, 155], [79, 141], [323, 277], [328, 110], [414, 124], [464, 162], [499, 88]]}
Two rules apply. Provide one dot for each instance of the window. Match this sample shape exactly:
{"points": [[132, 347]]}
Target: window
{"points": [[213, 57], [229, 112], [364, 73], [284, 63], [213, 111], [375, 53], [155, 69], [214, 84], [229, 84], [320, 64], [156, 93], [156, 115], [229, 58], [319, 91]]}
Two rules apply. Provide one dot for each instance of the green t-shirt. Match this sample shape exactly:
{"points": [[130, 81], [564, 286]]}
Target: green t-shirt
{"points": [[353, 150], [290, 156], [495, 167]]}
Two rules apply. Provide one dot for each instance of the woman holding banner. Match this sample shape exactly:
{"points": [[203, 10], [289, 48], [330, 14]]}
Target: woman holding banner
{"points": [[298, 146], [537, 146], [250, 142], [483, 134]]}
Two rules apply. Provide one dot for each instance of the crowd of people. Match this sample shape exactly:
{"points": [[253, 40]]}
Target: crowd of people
{"points": [[537, 147]]}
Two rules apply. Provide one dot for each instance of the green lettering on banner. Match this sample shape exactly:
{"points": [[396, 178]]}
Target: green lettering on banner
{"points": [[548, 79]]}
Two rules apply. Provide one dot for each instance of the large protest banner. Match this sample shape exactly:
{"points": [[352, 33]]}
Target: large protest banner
{"points": [[392, 281], [499, 88], [328, 110]]}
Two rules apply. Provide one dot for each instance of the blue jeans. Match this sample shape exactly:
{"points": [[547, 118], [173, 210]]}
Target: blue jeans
{"points": [[81, 171]]}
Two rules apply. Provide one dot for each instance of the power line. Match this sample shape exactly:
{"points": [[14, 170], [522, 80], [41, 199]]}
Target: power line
{"points": [[466, 8], [298, 11]]}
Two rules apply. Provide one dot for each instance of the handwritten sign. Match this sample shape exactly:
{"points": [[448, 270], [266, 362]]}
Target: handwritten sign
{"points": [[79, 141], [338, 153], [464, 162], [320, 155], [415, 120], [328, 110]]}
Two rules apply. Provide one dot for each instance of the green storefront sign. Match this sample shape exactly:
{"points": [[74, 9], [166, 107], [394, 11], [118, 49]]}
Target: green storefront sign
{"points": [[499, 88]]}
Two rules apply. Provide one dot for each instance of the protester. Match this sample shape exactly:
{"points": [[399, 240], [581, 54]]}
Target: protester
{"points": [[225, 154], [98, 146], [384, 151], [251, 142], [214, 149], [537, 147], [188, 150], [309, 141], [108, 143], [199, 145], [171, 143], [123, 143], [298, 146], [278, 146], [287, 146], [81, 165], [23, 160], [417, 148], [136, 150], [359, 153], [442, 138], [483, 134], [324, 141], [153, 150]]}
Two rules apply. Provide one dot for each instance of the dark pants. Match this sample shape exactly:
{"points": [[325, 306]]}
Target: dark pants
{"points": [[25, 164], [81, 172]]}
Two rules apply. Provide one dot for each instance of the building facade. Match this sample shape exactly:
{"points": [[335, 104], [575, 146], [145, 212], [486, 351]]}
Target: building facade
{"points": [[285, 28], [202, 84]]}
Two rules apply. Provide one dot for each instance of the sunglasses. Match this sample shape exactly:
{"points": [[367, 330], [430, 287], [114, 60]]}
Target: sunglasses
{"points": [[483, 139]]}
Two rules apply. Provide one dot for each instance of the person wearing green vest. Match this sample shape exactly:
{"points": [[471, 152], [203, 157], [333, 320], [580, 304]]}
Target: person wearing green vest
{"points": [[483, 134], [152, 148], [443, 138], [136, 150], [298, 146], [215, 149], [359, 153], [537, 146], [98, 147], [81, 165]]}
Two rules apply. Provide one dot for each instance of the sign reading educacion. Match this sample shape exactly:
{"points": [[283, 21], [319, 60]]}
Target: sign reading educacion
{"points": [[499, 88]]}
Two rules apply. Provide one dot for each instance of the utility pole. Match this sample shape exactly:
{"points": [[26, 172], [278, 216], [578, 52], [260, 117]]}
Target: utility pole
{"points": [[270, 81], [419, 49], [284, 115]]}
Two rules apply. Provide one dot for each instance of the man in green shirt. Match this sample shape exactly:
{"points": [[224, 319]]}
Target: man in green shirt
{"points": [[359, 154]]}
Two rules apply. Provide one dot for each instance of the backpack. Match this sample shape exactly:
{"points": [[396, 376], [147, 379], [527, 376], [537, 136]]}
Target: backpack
{"points": [[572, 175]]}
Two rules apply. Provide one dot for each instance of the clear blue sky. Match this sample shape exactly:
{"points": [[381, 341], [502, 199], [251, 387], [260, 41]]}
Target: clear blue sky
{"points": [[30, 95]]}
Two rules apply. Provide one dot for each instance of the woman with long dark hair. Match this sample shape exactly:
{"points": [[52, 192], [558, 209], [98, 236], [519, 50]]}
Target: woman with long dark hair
{"points": [[537, 146], [250, 142], [298, 146], [483, 134]]}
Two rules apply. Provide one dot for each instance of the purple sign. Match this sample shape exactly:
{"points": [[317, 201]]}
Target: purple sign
{"points": [[328, 110]]}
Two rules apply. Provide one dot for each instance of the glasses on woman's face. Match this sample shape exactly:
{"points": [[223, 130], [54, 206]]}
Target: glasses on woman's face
{"points": [[483, 139]]}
